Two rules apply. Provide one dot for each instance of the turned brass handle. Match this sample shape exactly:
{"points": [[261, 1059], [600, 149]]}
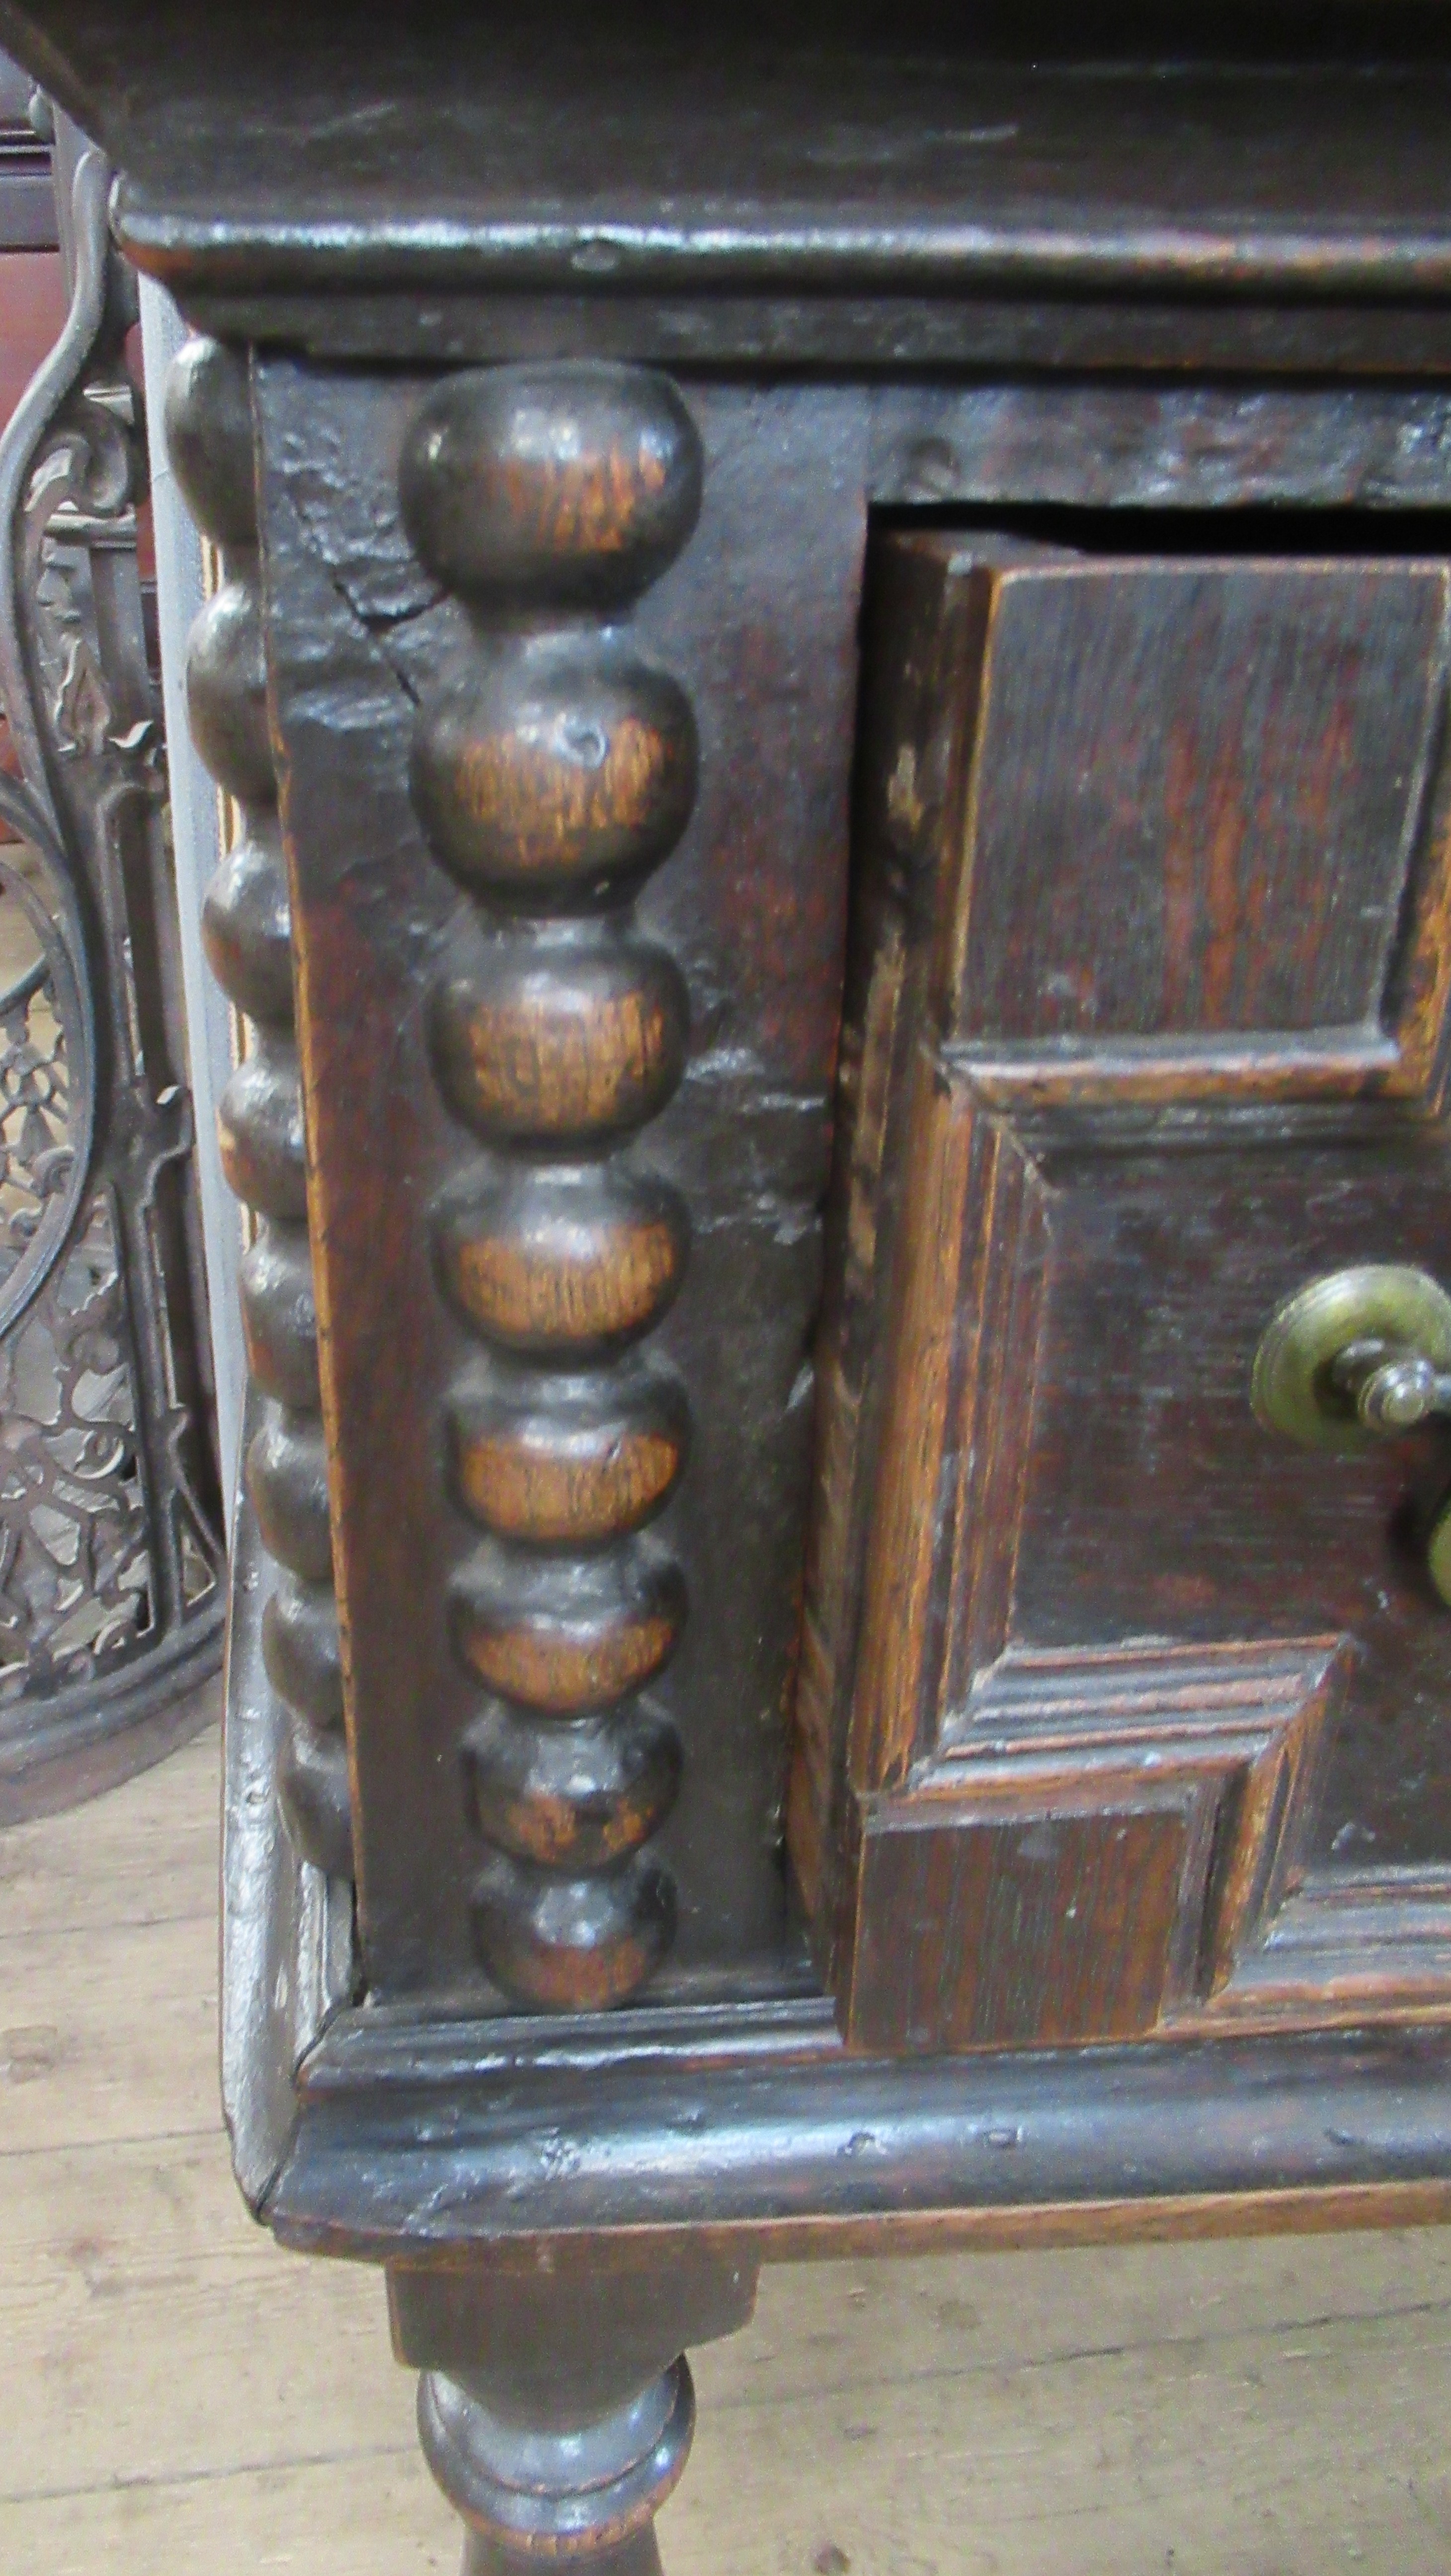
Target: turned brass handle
{"points": [[1357, 1356]]}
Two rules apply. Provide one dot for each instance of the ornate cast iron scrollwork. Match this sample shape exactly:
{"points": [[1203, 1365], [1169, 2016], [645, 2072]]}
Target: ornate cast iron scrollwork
{"points": [[111, 1603]]}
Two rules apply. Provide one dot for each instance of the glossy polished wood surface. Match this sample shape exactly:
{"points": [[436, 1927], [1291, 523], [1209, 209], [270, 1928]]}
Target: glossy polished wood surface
{"points": [[1044, 186]]}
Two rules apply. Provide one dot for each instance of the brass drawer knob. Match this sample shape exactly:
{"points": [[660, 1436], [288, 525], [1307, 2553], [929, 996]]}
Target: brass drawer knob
{"points": [[1360, 1355]]}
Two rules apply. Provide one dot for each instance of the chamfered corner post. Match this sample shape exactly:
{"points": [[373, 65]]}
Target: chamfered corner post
{"points": [[555, 2405]]}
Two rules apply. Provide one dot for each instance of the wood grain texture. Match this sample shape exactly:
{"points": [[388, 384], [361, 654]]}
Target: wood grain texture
{"points": [[970, 1227], [553, 764], [892, 1125], [594, 1461], [134, 2288], [1062, 1459], [1205, 2398], [750, 908], [546, 490], [811, 219], [1106, 1843], [502, 506], [579, 1795], [564, 1264], [561, 1035], [766, 2127], [563, 1634], [456, 710], [398, 2132], [557, 2413], [1046, 1929], [1191, 445], [1225, 760]]}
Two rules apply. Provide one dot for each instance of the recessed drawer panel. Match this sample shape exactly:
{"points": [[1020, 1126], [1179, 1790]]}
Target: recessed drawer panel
{"points": [[1195, 796]]}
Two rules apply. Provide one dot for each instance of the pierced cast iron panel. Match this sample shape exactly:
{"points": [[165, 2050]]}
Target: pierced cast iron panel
{"points": [[110, 1532]]}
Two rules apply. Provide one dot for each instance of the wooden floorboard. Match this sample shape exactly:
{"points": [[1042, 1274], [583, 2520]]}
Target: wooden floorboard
{"points": [[179, 2398]]}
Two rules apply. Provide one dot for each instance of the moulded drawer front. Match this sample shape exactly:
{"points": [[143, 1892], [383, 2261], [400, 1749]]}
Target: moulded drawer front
{"points": [[1111, 1692], [1195, 796]]}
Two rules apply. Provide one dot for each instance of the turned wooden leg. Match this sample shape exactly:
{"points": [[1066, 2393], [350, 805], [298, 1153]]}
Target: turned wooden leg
{"points": [[555, 2406]]}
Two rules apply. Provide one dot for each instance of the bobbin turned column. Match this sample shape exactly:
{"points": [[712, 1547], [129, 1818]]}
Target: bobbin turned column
{"points": [[555, 2407], [554, 769], [543, 1256], [247, 929]]}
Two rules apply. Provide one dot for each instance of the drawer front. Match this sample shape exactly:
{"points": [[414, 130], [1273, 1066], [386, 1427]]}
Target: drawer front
{"points": [[1123, 1709]]}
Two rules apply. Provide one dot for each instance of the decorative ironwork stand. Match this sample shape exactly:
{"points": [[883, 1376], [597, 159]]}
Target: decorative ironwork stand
{"points": [[111, 1605]]}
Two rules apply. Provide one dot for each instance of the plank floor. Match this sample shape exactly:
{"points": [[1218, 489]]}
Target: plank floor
{"points": [[179, 2398]]}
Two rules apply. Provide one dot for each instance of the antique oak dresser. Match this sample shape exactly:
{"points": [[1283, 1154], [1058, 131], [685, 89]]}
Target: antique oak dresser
{"points": [[830, 660]]}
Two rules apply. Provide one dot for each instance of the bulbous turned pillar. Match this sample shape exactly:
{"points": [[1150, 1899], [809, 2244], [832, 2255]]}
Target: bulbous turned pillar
{"points": [[587, 2492], [556, 2408], [247, 929], [554, 771]]}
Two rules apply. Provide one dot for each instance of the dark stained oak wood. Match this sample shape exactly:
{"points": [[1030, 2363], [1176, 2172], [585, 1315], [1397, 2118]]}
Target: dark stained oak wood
{"points": [[555, 2413], [1238, 751], [1039, 1898], [688, 1340], [765, 2129], [591, 1462], [569, 1148], [879, 189], [1192, 444], [247, 929], [560, 1037], [1054, 1550]]}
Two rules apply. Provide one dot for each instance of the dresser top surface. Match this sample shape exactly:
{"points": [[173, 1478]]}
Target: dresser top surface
{"points": [[916, 151]]}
